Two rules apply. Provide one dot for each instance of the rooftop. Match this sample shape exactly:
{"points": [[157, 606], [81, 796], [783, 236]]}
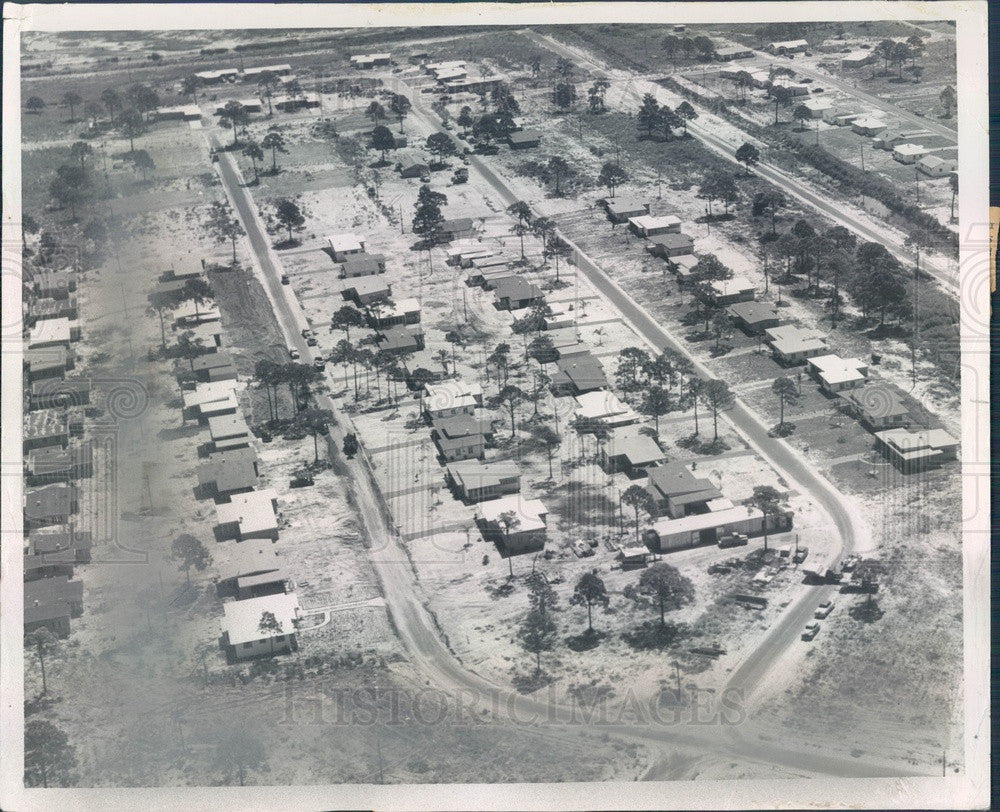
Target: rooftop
{"points": [[529, 512], [225, 426], [524, 136], [228, 474], [51, 331], [475, 475], [637, 448], [207, 392], [367, 285], [449, 394], [249, 558], [212, 360], [675, 480], [703, 521], [650, 221], [345, 242], [373, 262], [877, 400], [625, 205], [905, 441], [462, 425], [672, 240], [604, 406], [242, 618], [869, 122], [755, 312], [910, 149], [253, 511], [584, 370], [728, 287], [49, 500], [517, 289]]}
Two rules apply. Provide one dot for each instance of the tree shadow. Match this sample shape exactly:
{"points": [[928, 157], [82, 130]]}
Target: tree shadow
{"points": [[651, 636], [866, 611], [530, 682], [587, 640]]}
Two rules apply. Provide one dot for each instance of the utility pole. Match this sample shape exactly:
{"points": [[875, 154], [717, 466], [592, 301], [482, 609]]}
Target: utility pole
{"points": [[402, 223], [659, 195], [677, 674], [381, 773]]}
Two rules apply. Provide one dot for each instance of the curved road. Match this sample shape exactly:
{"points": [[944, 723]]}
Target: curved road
{"points": [[422, 639]]}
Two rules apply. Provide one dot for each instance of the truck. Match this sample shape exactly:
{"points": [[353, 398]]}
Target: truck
{"points": [[461, 175], [733, 540]]}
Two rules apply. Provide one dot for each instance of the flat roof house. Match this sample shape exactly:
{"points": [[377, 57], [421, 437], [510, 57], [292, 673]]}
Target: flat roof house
{"points": [[755, 317], [50, 504], [525, 139], [461, 437], [908, 153], [47, 362], [291, 103], [363, 290], [251, 570], [399, 340], [936, 167], [242, 635], [248, 105], [227, 473], [55, 393], [450, 398], [56, 464], [252, 515], [45, 428], [403, 311], [55, 284], [474, 480], [677, 492], [516, 293], [878, 406], [605, 409], [559, 315], [794, 88], [228, 431], [343, 245], [648, 225], [277, 70], [670, 245], [912, 451], [578, 374], [623, 209], [183, 112], [817, 107], [856, 59], [792, 344], [53, 332], [630, 452], [836, 374], [528, 532], [789, 46], [215, 366], [457, 228], [62, 538], [362, 264], [210, 400], [722, 292], [868, 125], [48, 308], [214, 77], [731, 52], [693, 530]]}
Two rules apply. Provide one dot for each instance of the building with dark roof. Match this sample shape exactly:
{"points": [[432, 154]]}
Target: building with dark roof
{"points": [[515, 293], [578, 374], [677, 492], [50, 504]]}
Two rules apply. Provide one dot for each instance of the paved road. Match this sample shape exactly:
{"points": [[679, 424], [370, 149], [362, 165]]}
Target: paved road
{"points": [[803, 192], [418, 631]]}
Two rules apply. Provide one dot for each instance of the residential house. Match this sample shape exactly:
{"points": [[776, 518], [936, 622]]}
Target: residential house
{"points": [[794, 88], [209, 400], [730, 52], [53, 332], [437, 69], [252, 515], [677, 492], [59, 539], [790, 46], [755, 317], [856, 59], [248, 105], [791, 344], [216, 366], [868, 125], [50, 504], [647, 225], [411, 165], [209, 334], [242, 635], [888, 139], [526, 531], [623, 209], [525, 139], [630, 452], [404, 311], [51, 602], [290, 103], [364, 290], [450, 398], [817, 107], [492, 278], [362, 264], [45, 428], [191, 314], [516, 293], [48, 362], [578, 374], [256, 73], [365, 61], [55, 393], [936, 167], [251, 570], [48, 565], [722, 292], [473, 84], [182, 112], [344, 245], [681, 266], [559, 315], [878, 406], [227, 473], [228, 431], [457, 228], [912, 451], [57, 464], [909, 153], [54, 284], [41, 309], [696, 529], [418, 57], [566, 343], [670, 245], [836, 374], [462, 437], [400, 340], [216, 77], [603, 408], [845, 119], [475, 481]]}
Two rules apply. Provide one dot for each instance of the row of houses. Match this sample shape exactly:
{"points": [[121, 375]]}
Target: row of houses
{"points": [[928, 153], [57, 456], [232, 75]]}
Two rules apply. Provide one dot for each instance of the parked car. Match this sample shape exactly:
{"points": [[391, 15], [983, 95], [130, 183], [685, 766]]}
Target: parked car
{"points": [[312, 341], [800, 555], [823, 610], [850, 563], [582, 550], [319, 363], [718, 569], [733, 540], [810, 631], [284, 279], [293, 353]]}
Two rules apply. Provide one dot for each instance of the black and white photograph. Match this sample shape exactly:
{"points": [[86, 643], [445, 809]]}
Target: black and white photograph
{"points": [[495, 406]]}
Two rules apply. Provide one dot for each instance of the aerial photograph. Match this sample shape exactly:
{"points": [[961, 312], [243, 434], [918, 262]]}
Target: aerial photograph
{"points": [[491, 404]]}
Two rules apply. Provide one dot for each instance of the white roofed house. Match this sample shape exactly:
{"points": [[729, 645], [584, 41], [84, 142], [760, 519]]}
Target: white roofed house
{"points": [[403, 311], [723, 292], [790, 46], [183, 112], [515, 523], [792, 344], [856, 59], [246, 632], [474, 480], [252, 515], [631, 452], [868, 125], [603, 408], [913, 451], [344, 245], [649, 225], [836, 374], [817, 107], [909, 153], [450, 398], [935, 166]]}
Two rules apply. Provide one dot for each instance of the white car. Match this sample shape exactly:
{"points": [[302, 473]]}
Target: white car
{"points": [[823, 610], [811, 630], [293, 353]]}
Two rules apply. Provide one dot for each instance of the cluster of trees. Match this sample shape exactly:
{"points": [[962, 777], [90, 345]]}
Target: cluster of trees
{"points": [[161, 302], [273, 140], [496, 124], [894, 53], [222, 225], [299, 378], [699, 48], [555, 172], [351, 355], [654, 117]]}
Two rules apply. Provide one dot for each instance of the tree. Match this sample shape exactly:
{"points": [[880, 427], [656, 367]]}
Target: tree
{"points": [[222, 225], [590, 592], [190, 85], [344, 353], [782, 96], [550, 441], [638, 498], [509, 522], [787, 392], [234, 115], [948, 99], [748, 155], [49, 758], [190, 347], [255, 153], [522, 211], [899, 55], [465, 120], [801, 114], [29, 225], [612, 175], [717, 397], [662, 586], [632, 363], [486, 129], [565, 95], [143, 161], [239, 752], [509, 397], [347, 317], [162, 302], [112, 101], [45, 643], [376, 112], [878, 283], [537, 634], [883, 51], [541, 596], [868, 570], [596, 95], [440, 146], [290, 216], [71, 100], [275, 142], [543, 228], [648, 115], [316, 422], [92, 110], [500, 357], [383, 140], [191, 553], [953, 184], [686, 113], [81, 150], [559, 169], [768, 501], [351, 446], [34, 104], [70, 187], [400, 106], [428, 218], [667, 121], [719, 184], [131, 125], [696, 386], [768, 201], [267, 83], [144, 99]]}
